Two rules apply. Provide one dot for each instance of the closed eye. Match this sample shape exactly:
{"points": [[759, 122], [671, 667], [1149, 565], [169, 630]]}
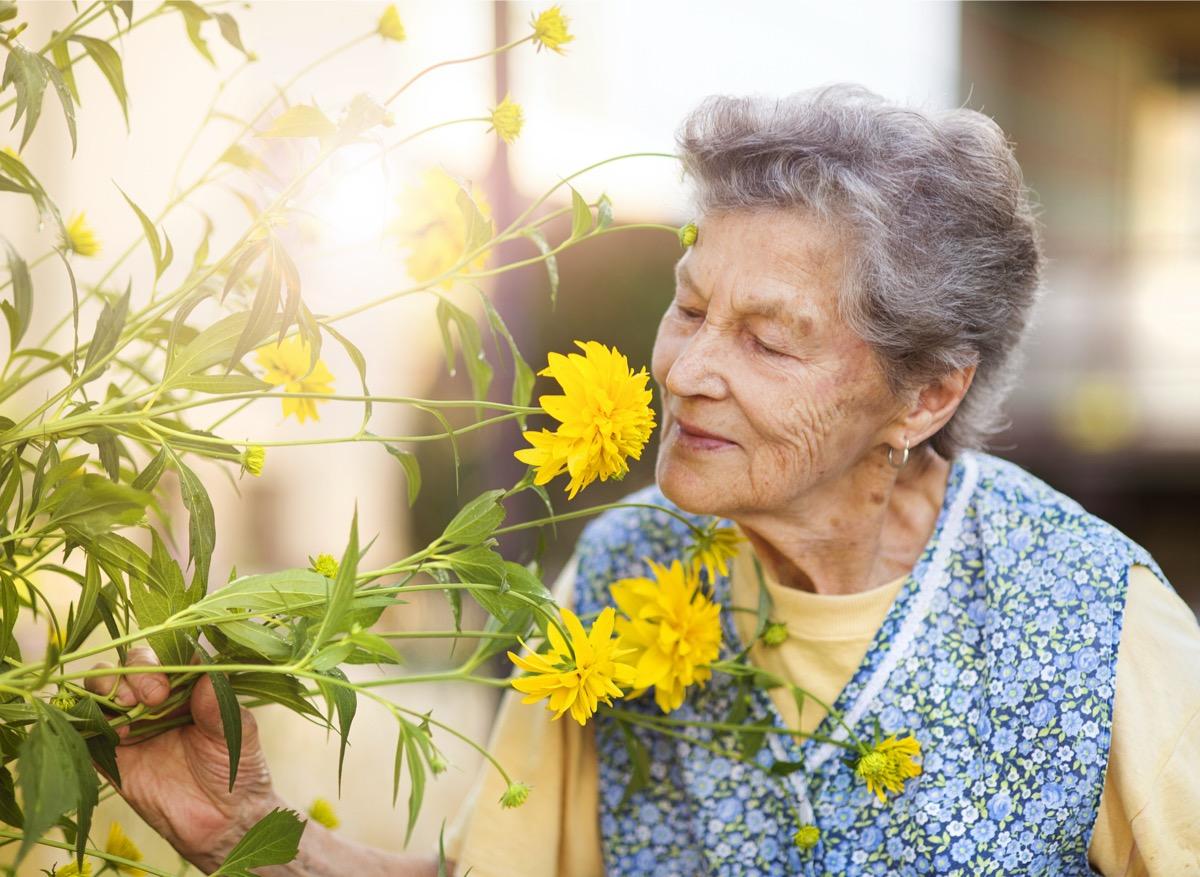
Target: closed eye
{"points": [[689, 313], [770, 351]]}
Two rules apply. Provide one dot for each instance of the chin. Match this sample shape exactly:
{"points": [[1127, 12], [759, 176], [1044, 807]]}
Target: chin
{"points": [[692, 491]]}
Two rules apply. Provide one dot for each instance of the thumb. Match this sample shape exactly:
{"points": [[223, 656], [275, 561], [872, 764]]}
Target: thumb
{"points": [[206, 713]]}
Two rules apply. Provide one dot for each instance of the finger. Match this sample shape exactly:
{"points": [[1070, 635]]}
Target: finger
{"points": [[206, 713], [148, 688], [101, 685]]}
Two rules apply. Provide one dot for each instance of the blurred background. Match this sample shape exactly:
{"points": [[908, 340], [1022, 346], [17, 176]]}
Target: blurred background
{"points": [[1102, 101]]}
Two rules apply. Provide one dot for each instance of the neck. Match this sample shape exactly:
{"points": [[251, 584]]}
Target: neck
{"points": [[855, 533]]}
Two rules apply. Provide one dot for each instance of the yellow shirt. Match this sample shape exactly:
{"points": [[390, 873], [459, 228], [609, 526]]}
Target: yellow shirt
{"points": [[1148, 820]]}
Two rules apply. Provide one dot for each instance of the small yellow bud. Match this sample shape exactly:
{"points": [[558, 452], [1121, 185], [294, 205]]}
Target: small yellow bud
{"points": [[807, 837], [437, 764], [73, 870], [64, 700], [326, 565], [322, 811], [390, 27], [253, 458], [515, 795], [687, 235], [775, 633]]}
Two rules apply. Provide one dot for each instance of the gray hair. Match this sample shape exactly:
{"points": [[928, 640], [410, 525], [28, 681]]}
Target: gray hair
{"points": [[945, 258]]}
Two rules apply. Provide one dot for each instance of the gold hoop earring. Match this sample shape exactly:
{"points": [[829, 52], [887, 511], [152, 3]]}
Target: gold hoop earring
{"points": [[903, 457]]}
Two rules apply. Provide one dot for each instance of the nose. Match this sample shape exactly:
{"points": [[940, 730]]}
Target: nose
{"points": [[697, 369]]}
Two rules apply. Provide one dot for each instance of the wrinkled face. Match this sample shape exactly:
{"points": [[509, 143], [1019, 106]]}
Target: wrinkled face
{"points": [[767, 393]]}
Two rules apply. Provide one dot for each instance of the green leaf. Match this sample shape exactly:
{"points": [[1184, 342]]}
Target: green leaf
{"points": [[229, 30], [108, 331], [29, 73], [102, 740], [276, 688], [342, 595], [202, 526], [360, 363], [412, 470], [157, 597], [60, 52], [148, 477], [56, 778], [478, 368], [416, 791], [249, 254], [10, 810], [87, 604], [231, 713], [193, 15], [213, 345], [282, 591], [21, 310], [221, 384], [476, 520], [302, 120], [345, 702], [478, 227], [523, 378], [639, 762], [551, 260], [151, 232], [262, 319], [94, 505], [274, 840], [239, 156], [581, 215], [109, 62]]}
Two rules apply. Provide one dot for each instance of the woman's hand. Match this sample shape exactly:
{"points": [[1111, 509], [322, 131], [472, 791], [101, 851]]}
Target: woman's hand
{"points": [[178, 780]]}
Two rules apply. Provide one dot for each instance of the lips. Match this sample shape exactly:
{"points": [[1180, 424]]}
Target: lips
{"points": [[694, 431]]}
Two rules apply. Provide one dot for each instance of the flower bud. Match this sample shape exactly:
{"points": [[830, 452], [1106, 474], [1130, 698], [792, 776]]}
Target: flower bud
{"points": [[687, 235], [807, 837], [515, 795], [775, 633]]}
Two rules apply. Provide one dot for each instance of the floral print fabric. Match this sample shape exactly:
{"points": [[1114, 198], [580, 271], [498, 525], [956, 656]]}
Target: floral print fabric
{"points": [[999, 654]]}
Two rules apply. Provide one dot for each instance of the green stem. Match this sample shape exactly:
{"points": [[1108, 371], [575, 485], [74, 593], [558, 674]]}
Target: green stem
{"points": [[583, 513], [89, 851]]}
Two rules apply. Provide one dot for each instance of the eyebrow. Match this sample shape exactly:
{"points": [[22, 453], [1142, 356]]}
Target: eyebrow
{"points": [[773, 309]]}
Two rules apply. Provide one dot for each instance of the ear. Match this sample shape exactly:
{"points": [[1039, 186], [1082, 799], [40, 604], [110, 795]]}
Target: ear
{"points": [[934, 406]]}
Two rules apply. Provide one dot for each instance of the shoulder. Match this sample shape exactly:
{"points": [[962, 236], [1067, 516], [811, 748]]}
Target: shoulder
{"points": [[1028, 510], [1157, 702]]}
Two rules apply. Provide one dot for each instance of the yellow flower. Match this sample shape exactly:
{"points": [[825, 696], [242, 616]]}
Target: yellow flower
{"points": [[604, 413], [253, 458], [550, 29], [326, 565], [507, 120], [432, 227], [712, 548], [322, 811], [119, 844], [673, 628], [888, 764], [390, 27], [514, 796], [72, 870], [688, 235], [80, 238], [286, 363], [578, 676], [807, 837]]}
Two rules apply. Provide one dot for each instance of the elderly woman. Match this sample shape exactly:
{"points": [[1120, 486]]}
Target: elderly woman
{"points": [[842, 334]]}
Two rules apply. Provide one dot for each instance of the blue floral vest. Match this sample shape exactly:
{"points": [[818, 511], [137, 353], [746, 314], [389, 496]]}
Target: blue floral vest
{"points": [[999, 654]]}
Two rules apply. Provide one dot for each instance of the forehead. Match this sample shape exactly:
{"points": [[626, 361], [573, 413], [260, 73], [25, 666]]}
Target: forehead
{"points": [[781, 264]]}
